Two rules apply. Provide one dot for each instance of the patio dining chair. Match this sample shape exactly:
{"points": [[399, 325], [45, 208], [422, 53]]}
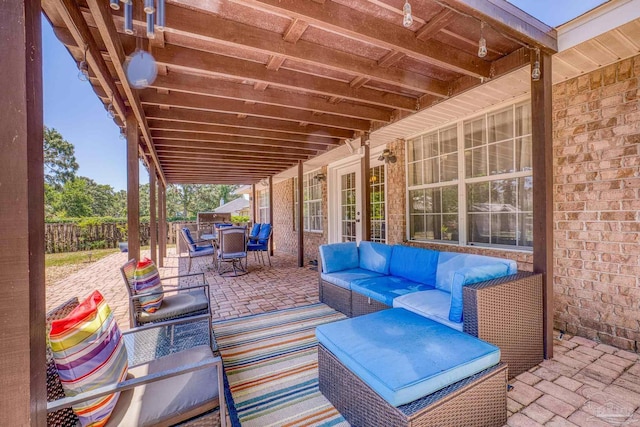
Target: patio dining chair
{"points": [[197, 248], [261, 243], [165, 385], [177, 302], [232, 247], [253, 234]]}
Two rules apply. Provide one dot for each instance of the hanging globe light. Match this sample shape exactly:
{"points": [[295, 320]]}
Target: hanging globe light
{"points": [[141, 69]]}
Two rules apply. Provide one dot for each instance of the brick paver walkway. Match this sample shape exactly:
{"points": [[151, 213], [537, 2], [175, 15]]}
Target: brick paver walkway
{"points": [[585, 384]]}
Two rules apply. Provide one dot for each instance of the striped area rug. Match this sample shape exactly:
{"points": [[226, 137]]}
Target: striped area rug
{"points": [[271, 364]]}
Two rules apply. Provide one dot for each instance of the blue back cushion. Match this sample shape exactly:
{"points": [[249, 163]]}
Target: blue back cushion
{"points": [[339, 256], [255, 230], [455, 270], [451, 262], [263, 235], [375, 256], [414, 264], [187, 234]]}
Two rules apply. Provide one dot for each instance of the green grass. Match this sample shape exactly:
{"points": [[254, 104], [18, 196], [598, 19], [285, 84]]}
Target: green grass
{"points": [[69, 258]]}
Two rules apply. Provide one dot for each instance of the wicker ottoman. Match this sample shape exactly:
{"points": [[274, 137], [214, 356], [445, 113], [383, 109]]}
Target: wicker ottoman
{"points": [[395, 368]]}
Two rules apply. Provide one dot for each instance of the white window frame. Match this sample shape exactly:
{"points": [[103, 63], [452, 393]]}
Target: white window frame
{"points": [[263, 206], [462, 181], [308, 180]]}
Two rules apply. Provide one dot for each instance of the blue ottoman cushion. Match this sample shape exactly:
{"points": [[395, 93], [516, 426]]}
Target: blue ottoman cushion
{"points": [[403, 356], [345, 277], [384, 289]]}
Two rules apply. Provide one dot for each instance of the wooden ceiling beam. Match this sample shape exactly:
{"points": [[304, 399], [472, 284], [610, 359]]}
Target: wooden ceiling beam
{"points": [[271, 152], [295, 31], [216, 29], [509, 20], [236, 161], [201, 85], [102, 15], [219, 65], [437, 23], [352, 23], [227, 139], [213, 129], [232, 106], [205, 117]]}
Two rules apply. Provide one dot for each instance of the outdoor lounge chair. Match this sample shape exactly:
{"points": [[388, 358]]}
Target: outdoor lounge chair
{"points": [[261, 243], [165, 385], [232, 247], [197, 248], [186, 301]]}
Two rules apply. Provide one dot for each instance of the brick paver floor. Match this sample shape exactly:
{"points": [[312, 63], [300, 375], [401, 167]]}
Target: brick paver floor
{"points": [[585, 384]]}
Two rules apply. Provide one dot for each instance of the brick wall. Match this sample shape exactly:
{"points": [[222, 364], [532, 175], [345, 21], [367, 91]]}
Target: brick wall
{"points": [[396, 194], [596, 121], [286, 238]]}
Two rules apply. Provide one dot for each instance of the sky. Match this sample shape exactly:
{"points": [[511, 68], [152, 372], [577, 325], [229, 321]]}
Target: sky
{"points": [[71, 106]]}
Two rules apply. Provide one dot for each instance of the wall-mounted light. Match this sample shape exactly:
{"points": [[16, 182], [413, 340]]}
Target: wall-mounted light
{"points": [[535, 70], [482, 43], [83, 68], [321, 177], [387, 156], [407, 17]]}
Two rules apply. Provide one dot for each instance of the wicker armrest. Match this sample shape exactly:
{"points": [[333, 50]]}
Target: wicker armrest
{"points": [[67, 402], [507, 312]]}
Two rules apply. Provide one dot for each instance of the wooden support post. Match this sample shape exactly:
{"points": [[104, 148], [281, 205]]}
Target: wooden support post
{"points": [[254, 204], [365, 185], [271, 213], [162, 224], [133, 189], [153, 225], [542, 162], [300, 224], [22, 299]]}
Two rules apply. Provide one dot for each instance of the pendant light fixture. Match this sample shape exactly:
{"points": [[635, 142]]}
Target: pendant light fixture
{"points": [[115, 4], [535, 70], [150, 27], [128, 18], [83, 67], [160, 17], [407, 18], [482, 43], [149, 8]]}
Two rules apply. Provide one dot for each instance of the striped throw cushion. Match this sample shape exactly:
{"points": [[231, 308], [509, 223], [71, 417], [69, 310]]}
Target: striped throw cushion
{"points": [[89, 352], [147, 280]]}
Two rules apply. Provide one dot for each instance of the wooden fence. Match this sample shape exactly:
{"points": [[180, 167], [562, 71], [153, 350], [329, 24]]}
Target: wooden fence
{"points": [[61, 237]]}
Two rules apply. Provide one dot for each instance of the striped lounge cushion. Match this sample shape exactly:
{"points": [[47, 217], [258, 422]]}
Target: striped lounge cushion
{"points": [[89, 352], [147, 280]]}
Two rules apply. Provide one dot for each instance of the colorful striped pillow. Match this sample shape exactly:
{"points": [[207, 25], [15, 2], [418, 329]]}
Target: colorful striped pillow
{"points": [[89, 352], [146, 279]]}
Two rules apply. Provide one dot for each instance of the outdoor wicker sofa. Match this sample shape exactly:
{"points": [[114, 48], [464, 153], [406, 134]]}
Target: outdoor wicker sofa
{"points": [[495, 302]]}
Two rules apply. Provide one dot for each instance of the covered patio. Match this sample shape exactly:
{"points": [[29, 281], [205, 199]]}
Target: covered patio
{"points": [[249, 89]]}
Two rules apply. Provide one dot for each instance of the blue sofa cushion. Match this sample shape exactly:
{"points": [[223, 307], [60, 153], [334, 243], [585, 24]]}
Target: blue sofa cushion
{"points": [[414, 264], [451, 262], [468, 276], [375, 256], [433, 304], [344, 278], [404, 356], [339, 256], [384, 289]]}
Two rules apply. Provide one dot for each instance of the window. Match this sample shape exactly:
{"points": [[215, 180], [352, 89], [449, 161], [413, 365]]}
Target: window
{"points": [[263, 206], [312, 207], [378, 219], [488, 201]]}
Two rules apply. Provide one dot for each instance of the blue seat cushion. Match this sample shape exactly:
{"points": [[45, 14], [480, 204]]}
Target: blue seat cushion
{"points": [[384, 289], [414, 264], [257, 246], [433, 304], [339, 256], [346, 277], [202, 251], [375, 256], [232, 255], [404, 356]]}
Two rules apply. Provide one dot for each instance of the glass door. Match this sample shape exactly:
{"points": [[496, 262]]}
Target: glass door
{"points": [[349, 227]]}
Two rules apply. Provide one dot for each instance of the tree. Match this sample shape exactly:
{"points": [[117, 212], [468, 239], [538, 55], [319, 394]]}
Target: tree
{"points": [[75, 199], [60, 164]]}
